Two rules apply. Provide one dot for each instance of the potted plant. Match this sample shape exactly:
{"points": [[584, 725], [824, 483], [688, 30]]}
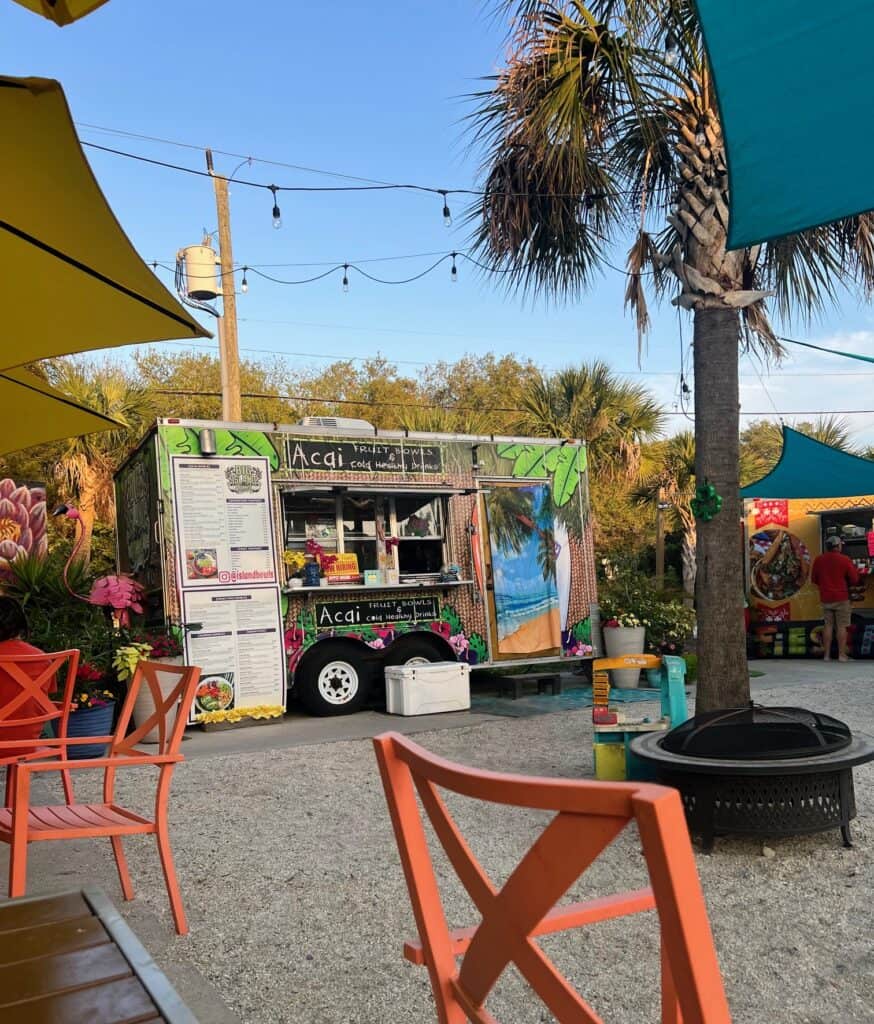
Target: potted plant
{"points": [[628, 602], [162, 645], [92, 712], [294, 562]]}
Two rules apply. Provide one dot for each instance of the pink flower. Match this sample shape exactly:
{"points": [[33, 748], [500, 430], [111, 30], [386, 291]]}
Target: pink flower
{"points": [[459, 643], [22, 522], [121, 593], [376, 644], [443, 628]]}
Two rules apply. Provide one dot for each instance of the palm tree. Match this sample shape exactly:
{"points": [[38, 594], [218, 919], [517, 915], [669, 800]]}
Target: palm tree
{"points": [[592, 403], [510, 513], [86, 464], [602, 130], [670, 480]]}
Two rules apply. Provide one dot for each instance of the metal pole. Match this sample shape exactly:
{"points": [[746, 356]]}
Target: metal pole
{"points": [[229, 352], [660, 541]]}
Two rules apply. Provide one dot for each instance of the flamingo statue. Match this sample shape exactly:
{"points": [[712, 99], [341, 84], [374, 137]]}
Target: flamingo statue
{"points": [[120, 593]]}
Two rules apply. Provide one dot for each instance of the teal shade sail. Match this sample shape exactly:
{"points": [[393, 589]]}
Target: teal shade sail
{"points": [[794, 81], [811, 469]]}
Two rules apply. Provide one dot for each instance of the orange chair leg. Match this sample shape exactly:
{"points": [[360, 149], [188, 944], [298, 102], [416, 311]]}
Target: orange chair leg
{"points": [[121, 863], [171, 880], [18, 844], [67, 781]]}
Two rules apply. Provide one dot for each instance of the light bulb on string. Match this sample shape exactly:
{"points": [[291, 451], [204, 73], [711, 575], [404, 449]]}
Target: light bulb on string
{"points": [[345, 277], [453, 270], [672, 50], [244, 284], [277, 213], [447, 216]]}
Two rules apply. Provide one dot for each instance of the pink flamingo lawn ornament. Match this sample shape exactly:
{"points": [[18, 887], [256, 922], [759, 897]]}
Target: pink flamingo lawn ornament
{"points": [[120, 593]]}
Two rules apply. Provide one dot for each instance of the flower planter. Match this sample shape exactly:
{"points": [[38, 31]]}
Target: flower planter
{"points": [[243, 723], [144, 705], [96, 721], [620, 640]]}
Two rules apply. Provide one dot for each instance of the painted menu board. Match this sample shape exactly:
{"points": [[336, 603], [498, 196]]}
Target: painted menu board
{"points": [[239, 647], [224, 531], [363, 456]]}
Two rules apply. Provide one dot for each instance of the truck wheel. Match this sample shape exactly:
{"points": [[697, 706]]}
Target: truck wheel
{"points": [[413, 652], [335, 681]]}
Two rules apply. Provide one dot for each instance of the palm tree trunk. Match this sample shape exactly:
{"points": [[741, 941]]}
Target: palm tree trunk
{"points": [[87, 516], [723, 677], [688, 557]]}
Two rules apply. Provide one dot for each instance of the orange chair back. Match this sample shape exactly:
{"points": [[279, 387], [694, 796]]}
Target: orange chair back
{"points": [[34, 677], [588, 817], [172, 706]]}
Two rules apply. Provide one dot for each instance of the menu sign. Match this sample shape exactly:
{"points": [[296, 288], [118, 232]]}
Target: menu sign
{"points": [[363, 457], [378, 612], [238, 647], [224, 530]]}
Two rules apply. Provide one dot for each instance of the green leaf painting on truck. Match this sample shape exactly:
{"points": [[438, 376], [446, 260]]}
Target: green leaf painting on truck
{"points": [[248, 443], [570, 466], [228, 443], [566, 463]]}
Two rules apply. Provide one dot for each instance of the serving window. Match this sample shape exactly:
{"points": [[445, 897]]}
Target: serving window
{"points": [[346, 522]]}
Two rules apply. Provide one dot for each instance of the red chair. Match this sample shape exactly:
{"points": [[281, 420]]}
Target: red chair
{"points": [[31, 709], [590, 815], [25, 823]]}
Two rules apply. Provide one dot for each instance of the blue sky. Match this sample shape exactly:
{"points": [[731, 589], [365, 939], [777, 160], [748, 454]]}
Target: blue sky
{"points": [[374, 90]]}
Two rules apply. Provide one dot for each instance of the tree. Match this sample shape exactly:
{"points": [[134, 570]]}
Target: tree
{"points": [[761, 443], [592, 403], [86, 464], [670, 479], [604, 122]]}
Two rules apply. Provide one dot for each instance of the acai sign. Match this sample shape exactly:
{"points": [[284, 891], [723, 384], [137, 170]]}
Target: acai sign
{"points": [[376, 613], [363, 457]]}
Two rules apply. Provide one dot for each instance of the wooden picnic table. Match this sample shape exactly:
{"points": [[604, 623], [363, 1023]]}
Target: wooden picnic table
{"points": [[71, 959]]}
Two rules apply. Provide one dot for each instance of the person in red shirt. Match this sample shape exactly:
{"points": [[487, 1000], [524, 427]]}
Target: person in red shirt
{"points": [[13, 627], [834, 574]]}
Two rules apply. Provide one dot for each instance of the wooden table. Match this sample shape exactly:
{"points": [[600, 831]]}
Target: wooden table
{"points": [[71, 959]]}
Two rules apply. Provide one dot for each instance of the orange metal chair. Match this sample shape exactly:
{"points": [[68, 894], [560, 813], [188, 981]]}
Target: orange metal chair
{"points": [[24, 823], [34, 689], [589, 817]]}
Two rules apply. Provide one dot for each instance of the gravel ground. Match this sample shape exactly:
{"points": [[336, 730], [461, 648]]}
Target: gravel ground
{"points": [[298, 907]]}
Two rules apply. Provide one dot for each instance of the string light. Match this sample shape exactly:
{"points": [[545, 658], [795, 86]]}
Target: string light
{"points": [[447, 216], [453, 271], [345, 277], [244, 284], [672, 50], [277, 213], [701, 134]]}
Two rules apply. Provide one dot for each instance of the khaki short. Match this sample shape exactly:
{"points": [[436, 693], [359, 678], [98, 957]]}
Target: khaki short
{"points": [[838, 613]]}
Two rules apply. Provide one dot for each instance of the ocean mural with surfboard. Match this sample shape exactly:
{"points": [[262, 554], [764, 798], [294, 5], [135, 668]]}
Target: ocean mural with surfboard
{"points": [[524, 559]]}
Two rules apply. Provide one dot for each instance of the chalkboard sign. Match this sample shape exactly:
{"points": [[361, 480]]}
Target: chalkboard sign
{"points": [[374, 613], [363, 457]]}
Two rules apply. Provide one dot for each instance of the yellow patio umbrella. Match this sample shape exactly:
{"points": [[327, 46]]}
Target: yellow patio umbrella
{"points": [[70, 280], [62, 12], [32, 413]]}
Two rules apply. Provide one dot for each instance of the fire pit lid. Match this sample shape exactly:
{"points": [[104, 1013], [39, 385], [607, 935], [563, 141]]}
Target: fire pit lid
{"points": [[755, 733]]}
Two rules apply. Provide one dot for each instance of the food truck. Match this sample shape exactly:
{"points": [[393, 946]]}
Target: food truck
{"points": [[307, 558], [814, 492]]}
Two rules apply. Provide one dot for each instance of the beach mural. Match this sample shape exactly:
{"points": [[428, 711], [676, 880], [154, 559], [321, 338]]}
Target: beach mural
{"points": [[524, 556]]}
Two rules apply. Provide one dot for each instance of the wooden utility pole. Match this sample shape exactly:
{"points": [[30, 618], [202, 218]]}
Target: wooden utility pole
{"points": [[660, 540], [229, 352]]}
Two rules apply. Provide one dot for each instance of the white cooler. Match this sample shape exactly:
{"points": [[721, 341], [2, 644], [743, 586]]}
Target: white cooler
{"points": [[427, 689]]}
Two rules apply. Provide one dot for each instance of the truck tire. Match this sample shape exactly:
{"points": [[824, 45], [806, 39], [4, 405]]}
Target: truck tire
{"points": [[333, 681], [414, 651]]}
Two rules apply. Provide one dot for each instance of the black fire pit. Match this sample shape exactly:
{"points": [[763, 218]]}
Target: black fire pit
{"points": [[760, 771]]}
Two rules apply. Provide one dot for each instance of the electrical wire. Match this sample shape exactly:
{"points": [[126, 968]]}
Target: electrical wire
{"points": [[375, 187]]}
